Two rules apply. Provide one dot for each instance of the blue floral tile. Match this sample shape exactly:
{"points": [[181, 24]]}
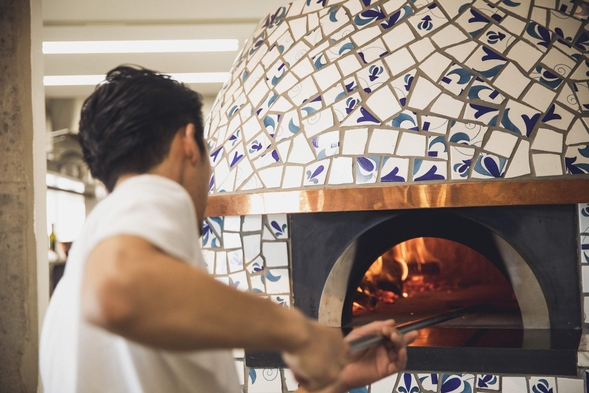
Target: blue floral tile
{"points": [[372, 77], [470, 134], [521, 8], [585, 252], [577, 160], [311, 106], [264, 380], [335, 18], [344, 107], [429, 170], [457, 383], [402, 86], [429, 382], [406, 120], [568, 98], [584, 218], [257, 283], [277, 281], [490, 10], [279, 225], [481, 113], [481, 90], [473, 21], [394, 170], [434, 124], [456, 79], [460, 162], [543, 384], [538, 35], [547, 77], [369, 16], [497, 38], [361, 116], [282, 300], [436, 147], [373, 51], [315, 173], [582, 92], [565, 26], [256, 266], [239, 281], [212, 228], [489, 166], [428, 20], [397, 16], [486, 381], [407, 384], [519, 118], [486, 62], [326, 145], [367, 169]]}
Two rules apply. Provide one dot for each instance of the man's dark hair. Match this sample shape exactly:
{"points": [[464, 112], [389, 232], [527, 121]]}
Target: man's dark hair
{"points": [[128, 123]]}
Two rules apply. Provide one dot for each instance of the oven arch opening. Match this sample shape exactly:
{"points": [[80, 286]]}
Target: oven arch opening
{"points": [[336, 302]]}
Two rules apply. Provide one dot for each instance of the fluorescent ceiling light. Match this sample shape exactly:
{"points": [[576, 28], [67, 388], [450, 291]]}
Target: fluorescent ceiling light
{"points": [[140, 46], [86, 80]]}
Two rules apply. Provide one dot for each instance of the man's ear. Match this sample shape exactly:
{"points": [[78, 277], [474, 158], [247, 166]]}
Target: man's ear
{"points": [[191, 150]]}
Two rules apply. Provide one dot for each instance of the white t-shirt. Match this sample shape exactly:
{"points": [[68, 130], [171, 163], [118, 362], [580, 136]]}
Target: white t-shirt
{"points": [[78, 357]]}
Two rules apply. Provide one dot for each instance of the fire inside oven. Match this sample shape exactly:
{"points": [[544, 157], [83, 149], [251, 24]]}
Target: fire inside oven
{"points": [[424, 277]]}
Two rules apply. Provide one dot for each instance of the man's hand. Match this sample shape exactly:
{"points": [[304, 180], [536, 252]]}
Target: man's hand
{"points": [[318, 362], [373, 363]]}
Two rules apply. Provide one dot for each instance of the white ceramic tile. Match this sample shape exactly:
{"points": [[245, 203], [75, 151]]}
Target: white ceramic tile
{"points": [[303, 68], [570, 385], [367, 34], [257, 283], [303, 91], [290, 381], [355, 141], [367, 169], [422, 49], [448, 106], [318, 122], [275, 253], [327, 76], [411, 145], [253, 183], [547, 164], [239, 281], [511, 81], [582, 93], [501, 143], [462, 51], [232, 223], [264, 380], [283, 149], [539, 15], [348, 65], [394, 170], [293, 177], [372, 51], [235, 260], [315, 173], [298, 27], [423, 93], [336, 19], [239, 367], [383, 141], [435, 65], [539, 97], [251, 247], [514, 385], [567, 97], [399, 61], [584, 355], [301, 152], [238, 353], [277, 281], [326, 144], [548, 140], [520, 163], [271, 177], [251, 128], [252, 223], [334, 94], [398, 37], [449, 35], [385, 385], [560, 63], [429, 381], [341, 171], [383, 103], [231, 240], [221, 263]]}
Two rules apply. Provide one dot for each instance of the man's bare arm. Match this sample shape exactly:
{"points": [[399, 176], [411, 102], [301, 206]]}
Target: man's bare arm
{"points": [[132, 289]]}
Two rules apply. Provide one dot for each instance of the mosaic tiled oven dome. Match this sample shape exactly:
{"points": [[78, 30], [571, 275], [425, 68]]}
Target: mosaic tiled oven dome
{"points": [[336, 93]]}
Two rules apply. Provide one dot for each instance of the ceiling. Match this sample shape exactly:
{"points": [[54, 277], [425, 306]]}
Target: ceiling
{"points": [[72, 20]]}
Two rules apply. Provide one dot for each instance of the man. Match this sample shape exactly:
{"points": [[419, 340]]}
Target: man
{"points": [[135, 310]]}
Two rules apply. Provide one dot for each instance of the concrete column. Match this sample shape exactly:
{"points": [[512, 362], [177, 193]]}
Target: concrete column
{"points": [[19, 305]]}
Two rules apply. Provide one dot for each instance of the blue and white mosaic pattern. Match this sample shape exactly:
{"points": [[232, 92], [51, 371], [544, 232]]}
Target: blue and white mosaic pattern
{"points": [[364, 92]]}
